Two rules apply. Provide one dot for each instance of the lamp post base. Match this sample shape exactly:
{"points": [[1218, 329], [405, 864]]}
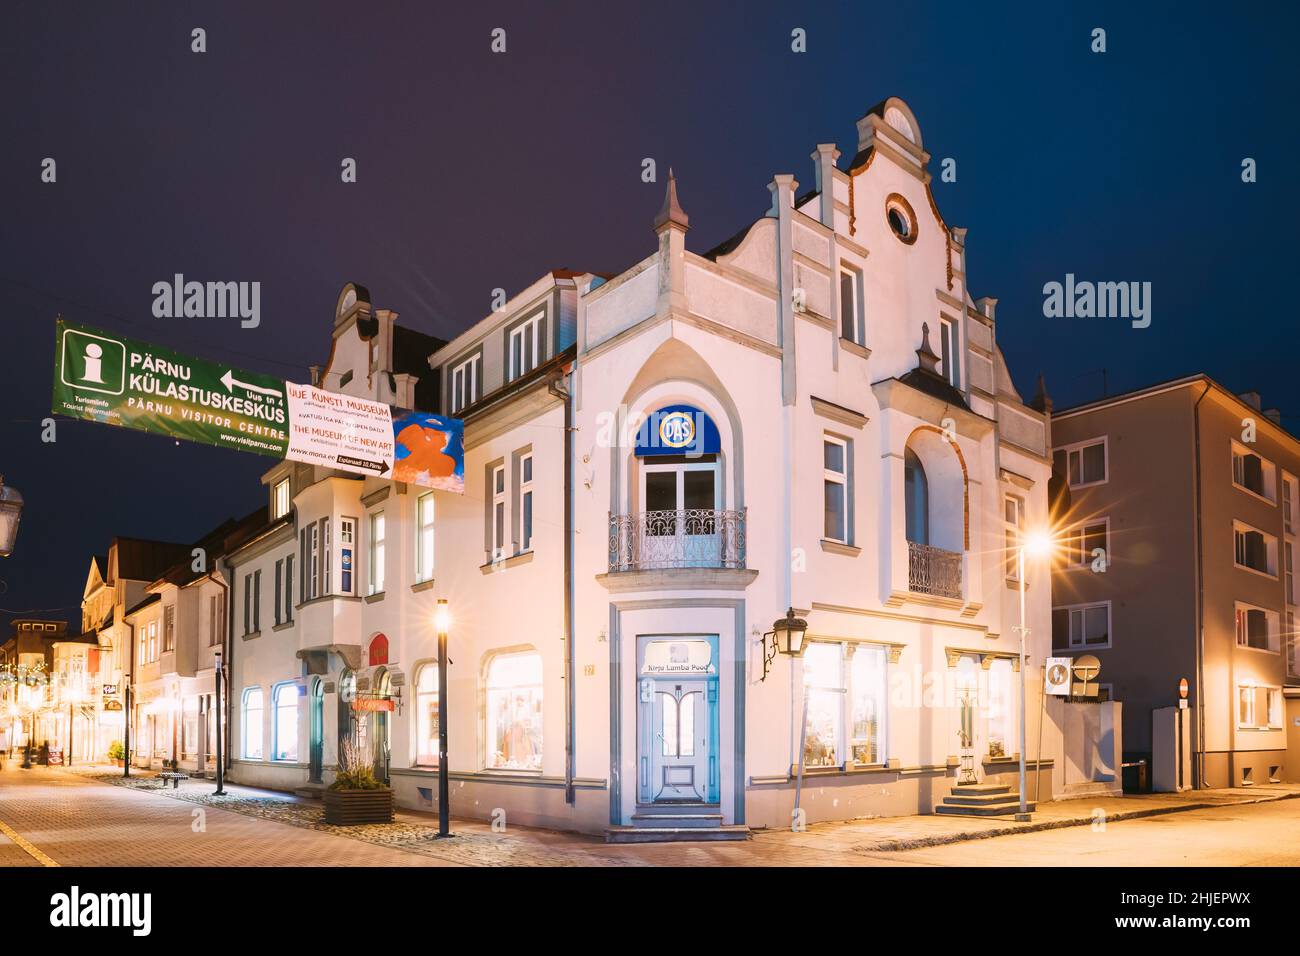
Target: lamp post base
{"points": [[1024, 817]]}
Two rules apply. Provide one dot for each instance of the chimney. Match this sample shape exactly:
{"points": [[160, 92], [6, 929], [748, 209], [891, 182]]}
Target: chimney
{"points": [[1251, 398], [1274, 416]]}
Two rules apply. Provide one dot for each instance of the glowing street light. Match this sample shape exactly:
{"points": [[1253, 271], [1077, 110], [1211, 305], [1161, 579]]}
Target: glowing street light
{"points": [[11, 509]]}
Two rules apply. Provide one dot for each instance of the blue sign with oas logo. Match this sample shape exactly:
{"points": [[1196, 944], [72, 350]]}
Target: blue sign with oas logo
{"points": [[678, 430]]}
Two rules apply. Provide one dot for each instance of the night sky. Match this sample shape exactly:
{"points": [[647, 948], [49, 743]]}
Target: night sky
{"points": [[478, 170]]}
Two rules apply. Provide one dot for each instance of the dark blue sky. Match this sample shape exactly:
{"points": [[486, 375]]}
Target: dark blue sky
{"points": [[479, 170]]}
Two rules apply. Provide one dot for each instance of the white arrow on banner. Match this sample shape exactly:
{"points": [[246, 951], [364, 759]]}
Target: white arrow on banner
{"points": [[230, 382]]}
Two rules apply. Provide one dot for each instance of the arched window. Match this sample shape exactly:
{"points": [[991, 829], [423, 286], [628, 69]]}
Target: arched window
{"points": [[514, 712], [285, 745], [916, 495], [426, 716], [252, 718]]}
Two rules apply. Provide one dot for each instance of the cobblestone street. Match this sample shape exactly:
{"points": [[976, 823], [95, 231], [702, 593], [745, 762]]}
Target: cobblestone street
{"points": [[88, 817]]}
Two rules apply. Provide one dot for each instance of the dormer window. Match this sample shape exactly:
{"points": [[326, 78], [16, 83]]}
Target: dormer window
{"points": [[280, 499], [525, 344], [464, 384]]}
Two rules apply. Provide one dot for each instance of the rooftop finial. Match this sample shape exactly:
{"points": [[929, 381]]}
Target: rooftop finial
{"points": [[672, 212]]}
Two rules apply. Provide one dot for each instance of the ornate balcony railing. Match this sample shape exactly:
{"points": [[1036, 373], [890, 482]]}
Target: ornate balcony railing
{"points": [[932, 570], [691, 538]]}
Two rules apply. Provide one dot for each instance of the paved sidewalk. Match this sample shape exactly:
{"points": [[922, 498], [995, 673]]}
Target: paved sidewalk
{"points": [[883, 834], [77, 819]]}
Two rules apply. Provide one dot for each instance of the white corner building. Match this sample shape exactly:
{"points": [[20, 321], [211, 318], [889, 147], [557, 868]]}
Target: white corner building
{"points": [[659, 464]]}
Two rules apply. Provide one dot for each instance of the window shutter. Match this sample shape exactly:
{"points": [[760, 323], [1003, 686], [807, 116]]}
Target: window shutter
{"points": [[320, 551], [288, 588]]}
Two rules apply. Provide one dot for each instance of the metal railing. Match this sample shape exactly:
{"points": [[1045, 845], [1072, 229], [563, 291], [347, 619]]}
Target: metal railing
{"points": [[691, 538], [932, 570]]}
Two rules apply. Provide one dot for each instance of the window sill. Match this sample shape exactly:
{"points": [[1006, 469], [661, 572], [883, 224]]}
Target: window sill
{"points": [[524, 557], [831, 546], [251, 635], [1258, 650], [421, 586], [283, 626], [1262, 574], [850, 346], [374, 598], [1255, 494]]}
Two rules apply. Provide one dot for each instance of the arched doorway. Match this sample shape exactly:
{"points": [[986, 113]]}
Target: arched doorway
{"points": [[316, 731]]}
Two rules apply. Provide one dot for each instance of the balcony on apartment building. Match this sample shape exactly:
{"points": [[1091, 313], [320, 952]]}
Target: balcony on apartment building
{"points": [[933, 571], [658, 548]]}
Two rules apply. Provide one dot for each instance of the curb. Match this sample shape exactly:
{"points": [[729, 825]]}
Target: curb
{"points": [[893, 846]]}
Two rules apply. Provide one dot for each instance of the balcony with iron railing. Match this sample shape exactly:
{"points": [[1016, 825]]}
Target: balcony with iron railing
{"points": [[667, 540], [933, 571]]}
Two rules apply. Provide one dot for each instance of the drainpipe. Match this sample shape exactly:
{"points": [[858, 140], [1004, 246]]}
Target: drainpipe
{"points": [[570, 697], [128, 714], [227, 658], [1200, 599], [227, 600]]}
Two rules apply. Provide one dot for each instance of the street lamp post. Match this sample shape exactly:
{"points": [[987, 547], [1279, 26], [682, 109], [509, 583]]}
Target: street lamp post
{"points": [[126, 728], [1036, 543], [11, 511], [443, 622], [221, 763]]}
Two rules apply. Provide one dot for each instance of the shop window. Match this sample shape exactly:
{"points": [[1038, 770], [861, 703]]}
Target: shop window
{"points": [[514, 712]]}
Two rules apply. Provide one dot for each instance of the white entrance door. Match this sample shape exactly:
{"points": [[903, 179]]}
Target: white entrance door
{"points": [[970, 718], [679, 759], [680, 500]]}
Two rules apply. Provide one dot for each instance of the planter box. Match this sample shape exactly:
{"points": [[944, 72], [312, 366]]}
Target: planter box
{"points": [[350, 807]]}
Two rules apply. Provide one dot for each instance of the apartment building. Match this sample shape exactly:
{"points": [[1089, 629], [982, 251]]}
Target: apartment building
{"points": [[813, 416], [1178, 564]]}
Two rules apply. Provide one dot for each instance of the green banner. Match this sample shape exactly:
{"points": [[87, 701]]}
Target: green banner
{"points": [[109, 378]]}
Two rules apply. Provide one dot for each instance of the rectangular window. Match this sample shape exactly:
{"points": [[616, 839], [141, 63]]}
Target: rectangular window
{"points": [[526, 503], [950, 352], [1253, 473], [1290, 572], [525, 346], [347, 554], [852, 324], [1274, 695], [1259, 708], [823, 676], [498, 531], [313, 562], [424, 537], [1246, 707], [1014, 515], [1001, 710], [1081, 626], [375, 584], [169, 628], [278, 604], [869, 688], [1289, 503], [153, 641], [1083, 463], [252, 723], [514, 712], [835, 484], [285, 739], [257, 600], [1255, 628], [1084, 542], [280, 499], [288, 588], [248, 603], [1253, 549], [216, 618], [464, 384], [326, 567]]}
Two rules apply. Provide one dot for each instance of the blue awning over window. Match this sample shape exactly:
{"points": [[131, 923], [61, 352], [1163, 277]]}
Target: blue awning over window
{"points": [[678, 430]]}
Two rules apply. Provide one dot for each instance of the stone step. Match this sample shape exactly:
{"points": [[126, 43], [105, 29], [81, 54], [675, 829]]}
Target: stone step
{"points": [[979, 799], [1009, 808], [638, 834], [970, 789], [677, 819]]}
